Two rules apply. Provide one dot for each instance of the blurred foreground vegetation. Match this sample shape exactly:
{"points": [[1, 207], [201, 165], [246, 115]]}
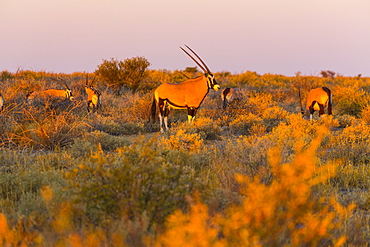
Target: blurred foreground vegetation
{"points": [[253, 174]]}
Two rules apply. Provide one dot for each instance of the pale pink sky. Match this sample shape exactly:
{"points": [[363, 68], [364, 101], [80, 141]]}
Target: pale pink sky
{"points": [[266, 36]]}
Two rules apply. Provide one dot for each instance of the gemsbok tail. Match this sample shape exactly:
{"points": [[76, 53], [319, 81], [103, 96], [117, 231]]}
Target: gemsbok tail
{"points": [[330, 106], [300, 100]]}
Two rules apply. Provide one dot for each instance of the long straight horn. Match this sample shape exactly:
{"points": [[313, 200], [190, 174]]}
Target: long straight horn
{"points": [[204, 70], [92, 82], [57, 80], [199, 59], [62, 82]]}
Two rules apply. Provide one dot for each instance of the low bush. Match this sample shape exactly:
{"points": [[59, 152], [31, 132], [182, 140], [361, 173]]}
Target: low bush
{"points": [[281, 213], [350, 100], [255, 173], [243, 124], [138, 182], [180, 140]]}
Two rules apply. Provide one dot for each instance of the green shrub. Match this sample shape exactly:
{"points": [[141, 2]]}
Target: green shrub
{"points": [[22, 177], [138, 181], [207, 128], [350, 100], [352, 145], [131, 73], [365, 114], [243, 124], [346, 120], [107, 142], [273, 116]]}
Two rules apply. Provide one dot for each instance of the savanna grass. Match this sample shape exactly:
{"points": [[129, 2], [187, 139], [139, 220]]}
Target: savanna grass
{"points": [[256, 173]]}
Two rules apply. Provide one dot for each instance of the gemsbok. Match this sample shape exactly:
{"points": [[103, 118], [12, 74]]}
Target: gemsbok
{"points": [[317, 100], [52, 93], [185, 95], [229, 95], [93, 96], [2, 102]]}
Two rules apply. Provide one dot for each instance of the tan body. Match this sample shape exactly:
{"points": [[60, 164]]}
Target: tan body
{"points": [[186, 95], [318, 99], [93, 98], [51, 93], [176, 96], [229, 95], [2, 102]]}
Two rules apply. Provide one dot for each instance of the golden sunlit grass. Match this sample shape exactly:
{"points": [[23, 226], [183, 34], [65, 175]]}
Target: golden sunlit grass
{"points": [[253, 174], [283, 212]]}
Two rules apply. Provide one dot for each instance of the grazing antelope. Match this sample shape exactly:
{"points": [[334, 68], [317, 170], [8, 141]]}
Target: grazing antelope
{"points": [[2, 102], [229, 95], [317, 100], [186, 95], [93, 96], [58, 93]]}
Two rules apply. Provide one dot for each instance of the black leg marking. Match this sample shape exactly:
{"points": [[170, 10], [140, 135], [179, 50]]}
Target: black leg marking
{"points": [[322, 111], [312, 109]]}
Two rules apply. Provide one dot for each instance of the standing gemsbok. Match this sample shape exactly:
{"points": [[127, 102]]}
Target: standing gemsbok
{"points": [[317, 100], [52, 93], [229, 95], [2, 102], [186, 95], [93, 96]]}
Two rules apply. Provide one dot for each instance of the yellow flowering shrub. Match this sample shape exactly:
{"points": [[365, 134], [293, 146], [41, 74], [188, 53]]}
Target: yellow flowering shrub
{"points": [[283, 212], [259, 102], [182, 141], [365, 114], [351, 139], [350, 100], [242, 124]]}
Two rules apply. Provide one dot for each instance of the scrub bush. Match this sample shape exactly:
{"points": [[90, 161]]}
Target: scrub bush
{"points": [[138, 181], [243, 124], [284, 212], [350, 100]]}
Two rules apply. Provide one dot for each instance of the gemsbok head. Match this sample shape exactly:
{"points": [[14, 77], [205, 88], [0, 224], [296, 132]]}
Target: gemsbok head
{"points": [[52, 93], [317, 100], [185, 95], [93, 95], [2, 102], [229, 95]]}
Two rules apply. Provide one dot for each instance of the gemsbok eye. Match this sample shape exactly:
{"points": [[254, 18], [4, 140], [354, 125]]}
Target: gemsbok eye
{"points": [[186, 95]]}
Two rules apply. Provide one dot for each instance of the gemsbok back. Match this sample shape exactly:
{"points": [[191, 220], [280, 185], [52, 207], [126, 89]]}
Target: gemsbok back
{"points": [[93, 96], [185, 95], [317, 100], [229, 95], [52, 93], [2, 102]]}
